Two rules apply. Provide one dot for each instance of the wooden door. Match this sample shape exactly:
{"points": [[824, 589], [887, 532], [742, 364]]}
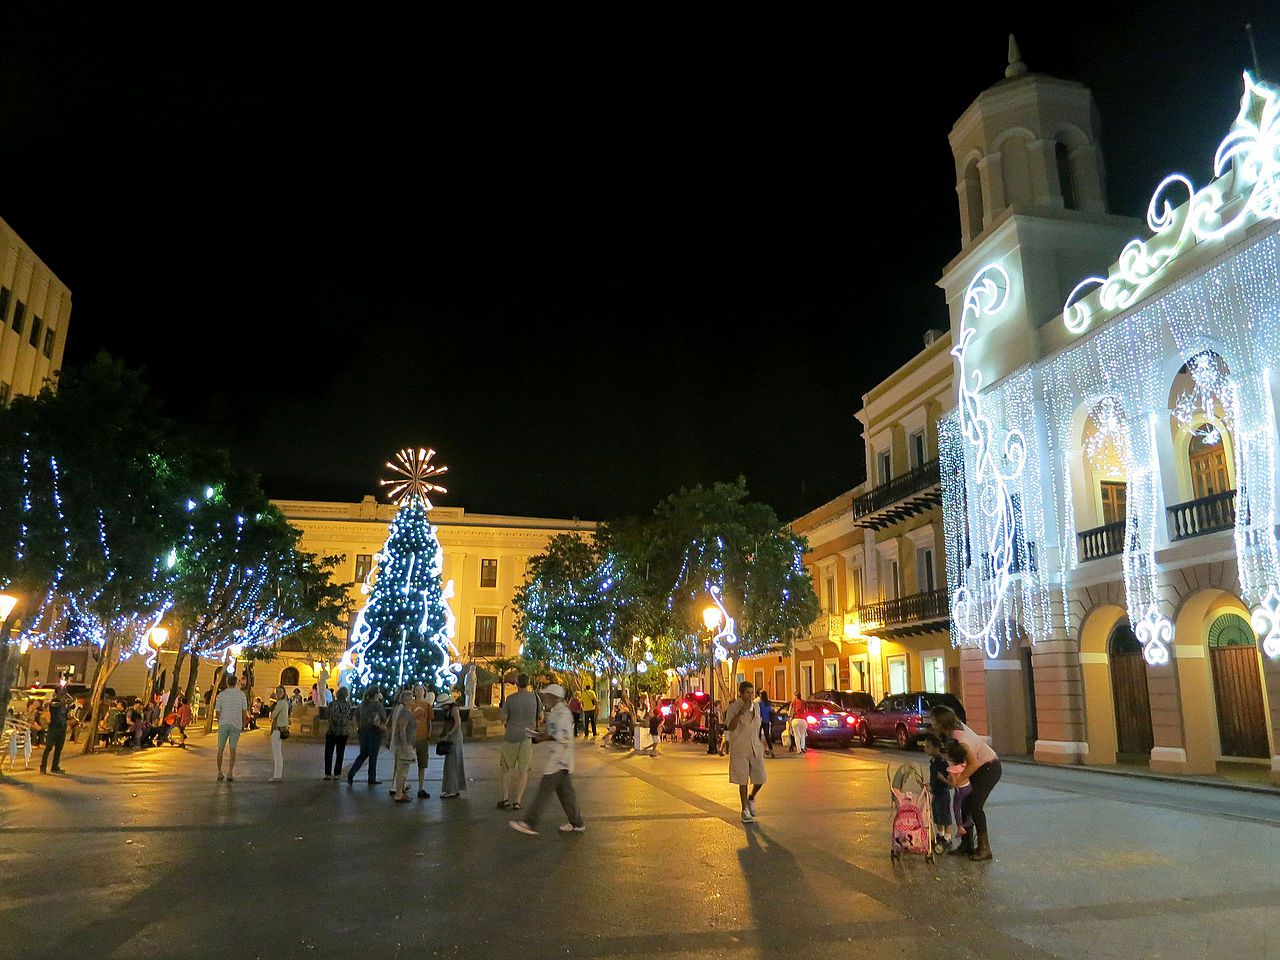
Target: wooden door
{"points": [[1113, 501], [1208, 469], [1129, 693], [1237, 690]]}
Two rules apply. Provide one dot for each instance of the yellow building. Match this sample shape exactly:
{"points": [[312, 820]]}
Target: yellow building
{"points": [[876, 555], [35, 310]]}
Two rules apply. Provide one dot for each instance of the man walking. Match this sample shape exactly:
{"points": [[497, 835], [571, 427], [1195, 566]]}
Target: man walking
{"points": [[746, 748], [372, 720], [231, 708], [423, 714], [56, 735], [520, 712], [558, 777], [589, 706]]}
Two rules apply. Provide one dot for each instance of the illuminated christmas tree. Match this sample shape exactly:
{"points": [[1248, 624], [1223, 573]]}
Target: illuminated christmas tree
{"points": [[403, 635]]}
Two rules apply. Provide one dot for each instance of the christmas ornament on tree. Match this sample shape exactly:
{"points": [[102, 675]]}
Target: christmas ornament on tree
{"points": [[404, 634]]}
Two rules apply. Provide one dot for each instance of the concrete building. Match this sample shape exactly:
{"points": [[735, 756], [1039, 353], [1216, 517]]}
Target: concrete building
{"points": [[1108, 474], [35, 311]]}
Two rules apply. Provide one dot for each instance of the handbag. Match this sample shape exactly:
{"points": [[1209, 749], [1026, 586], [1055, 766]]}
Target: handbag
{"points": [[284, 733], [443, 747]]}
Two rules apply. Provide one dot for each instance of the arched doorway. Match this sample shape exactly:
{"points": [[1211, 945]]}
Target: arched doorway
{"points": [[1129, 692], [1237, 687], [289, 677]]}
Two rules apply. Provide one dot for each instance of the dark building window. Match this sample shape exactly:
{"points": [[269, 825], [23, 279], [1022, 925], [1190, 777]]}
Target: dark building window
{"points": [[19, 315], [364, 564], [34, 338], [1066, 183], [486, 644], [4, 304], [488, 573], [48, 343]]}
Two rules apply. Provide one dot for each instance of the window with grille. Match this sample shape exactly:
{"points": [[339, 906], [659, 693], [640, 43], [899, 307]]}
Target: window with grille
{"points": [[486, 643], [488, 573]]}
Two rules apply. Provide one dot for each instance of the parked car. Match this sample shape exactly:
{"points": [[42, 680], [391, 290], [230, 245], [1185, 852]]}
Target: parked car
{"points": [[830, 723], [854, 701], [904, 717]]}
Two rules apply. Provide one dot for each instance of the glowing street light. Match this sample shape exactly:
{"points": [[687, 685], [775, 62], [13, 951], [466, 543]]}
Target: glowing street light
{"points": [[7, 602], [711, 617]]}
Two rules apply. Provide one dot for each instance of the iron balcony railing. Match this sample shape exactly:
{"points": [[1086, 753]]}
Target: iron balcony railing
{"points": [[917, 607], [899, 488], [487, 648], [1104, 541], [1204, 515]]}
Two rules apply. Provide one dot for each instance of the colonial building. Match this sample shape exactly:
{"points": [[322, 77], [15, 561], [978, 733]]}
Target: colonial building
{"points": [[1108, 473], [35, 311]]}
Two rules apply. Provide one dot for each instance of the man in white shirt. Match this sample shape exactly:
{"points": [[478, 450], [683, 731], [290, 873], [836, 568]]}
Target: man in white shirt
{"points": [[746, 748], [557, 778], [231, 708]]}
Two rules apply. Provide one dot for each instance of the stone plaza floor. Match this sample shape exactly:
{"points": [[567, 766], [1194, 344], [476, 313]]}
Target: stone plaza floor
{"points": [[141, 856]]}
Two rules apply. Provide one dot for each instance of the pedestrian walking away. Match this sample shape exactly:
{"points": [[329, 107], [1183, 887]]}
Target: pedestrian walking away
{"points": [[372, 723], [403, 735], [575, 708], [454, 779], [982, 772], [766, 722], [336, 734], [279, 731], [521, 712], [557, 777], [746, 749], [423, 714], [590, 707], [232, 709], [798, 725], [56, 734]]}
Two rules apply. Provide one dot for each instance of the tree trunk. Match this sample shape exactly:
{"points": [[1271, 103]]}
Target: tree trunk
{"points": [[173, 687], [192, 674], [213, 695], [108, 659]]}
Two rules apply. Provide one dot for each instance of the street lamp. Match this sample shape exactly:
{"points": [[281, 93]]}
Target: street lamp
{"points": [[712, 618], [7, 602]]}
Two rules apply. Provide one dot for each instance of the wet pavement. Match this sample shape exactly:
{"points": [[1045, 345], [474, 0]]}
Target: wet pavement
{"points": [[147, 856]]}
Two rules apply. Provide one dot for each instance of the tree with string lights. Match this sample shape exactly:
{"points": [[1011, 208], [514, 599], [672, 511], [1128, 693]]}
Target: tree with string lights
{"points": [[404, 634]]}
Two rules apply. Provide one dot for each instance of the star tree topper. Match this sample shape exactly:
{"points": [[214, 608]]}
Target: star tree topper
{"points": [[411, 476]]}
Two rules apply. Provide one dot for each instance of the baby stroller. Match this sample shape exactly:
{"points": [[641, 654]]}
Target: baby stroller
{"points": [[911, 829]]}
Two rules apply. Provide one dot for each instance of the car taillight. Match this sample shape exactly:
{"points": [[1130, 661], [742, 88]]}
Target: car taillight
{"points": [[851, 721], [825, 711], [812, 719], [684, 706]]}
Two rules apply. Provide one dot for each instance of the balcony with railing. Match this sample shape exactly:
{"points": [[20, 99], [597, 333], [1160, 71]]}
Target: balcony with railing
{"points": [[899, 498], [1104, 541], [1203, 515], [903, 616], [486, 649]]}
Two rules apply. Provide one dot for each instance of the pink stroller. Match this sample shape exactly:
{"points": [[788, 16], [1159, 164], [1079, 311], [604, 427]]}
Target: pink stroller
{"points": [[912, 825]]}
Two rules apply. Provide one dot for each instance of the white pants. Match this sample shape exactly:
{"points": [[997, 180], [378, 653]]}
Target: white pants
{"points": [[277, 756], [799, 727]]}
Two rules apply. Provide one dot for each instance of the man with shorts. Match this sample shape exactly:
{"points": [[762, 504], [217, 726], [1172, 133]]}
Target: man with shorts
{"points": [[231, 708], [423, 712], [746, 748], [520, 712]]}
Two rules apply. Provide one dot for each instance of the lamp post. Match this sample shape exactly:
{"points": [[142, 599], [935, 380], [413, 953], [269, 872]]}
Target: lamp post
{"points": [[711, 617]]}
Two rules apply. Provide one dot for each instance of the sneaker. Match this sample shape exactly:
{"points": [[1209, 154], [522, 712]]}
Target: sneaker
{"points": [[503, 804], [221, 777], [751, 808], [327, 777], [230, 779], [747, 817], [423, 795], [522, 827], [570, 828]]}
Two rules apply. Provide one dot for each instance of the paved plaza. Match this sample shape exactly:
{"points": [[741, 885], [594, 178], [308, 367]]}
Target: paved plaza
{"points": [[144, 856]]}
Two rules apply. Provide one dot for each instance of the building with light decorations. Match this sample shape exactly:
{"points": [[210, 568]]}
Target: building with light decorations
{"points": [[1108, 472]]}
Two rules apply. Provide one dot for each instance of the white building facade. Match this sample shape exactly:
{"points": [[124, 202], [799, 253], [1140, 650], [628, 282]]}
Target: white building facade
{"points": [[35, 311], [1108, 474]]}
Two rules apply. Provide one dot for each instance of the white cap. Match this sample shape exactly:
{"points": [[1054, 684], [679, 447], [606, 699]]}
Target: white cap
{"points": [[554, 689]]}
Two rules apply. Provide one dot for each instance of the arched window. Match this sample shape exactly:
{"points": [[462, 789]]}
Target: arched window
{"points": [[1066, 182], [1230, 630], [972, 200], [289, 677]]}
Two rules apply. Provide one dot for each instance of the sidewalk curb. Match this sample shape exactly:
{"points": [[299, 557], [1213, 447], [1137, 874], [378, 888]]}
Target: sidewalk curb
{"points": [[1145, 775]]}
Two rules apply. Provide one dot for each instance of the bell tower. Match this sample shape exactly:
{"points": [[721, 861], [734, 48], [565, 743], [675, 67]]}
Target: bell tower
{"points": [[1032, 196]]}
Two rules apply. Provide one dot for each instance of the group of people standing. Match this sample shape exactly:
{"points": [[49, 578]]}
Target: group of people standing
{"points": [[405, 729]]}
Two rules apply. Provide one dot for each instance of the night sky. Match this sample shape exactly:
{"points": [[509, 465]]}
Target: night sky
{"points": [[589, 260]]}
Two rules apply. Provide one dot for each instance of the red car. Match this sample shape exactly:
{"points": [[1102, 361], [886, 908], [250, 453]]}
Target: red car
{"points": [[904, 717]]}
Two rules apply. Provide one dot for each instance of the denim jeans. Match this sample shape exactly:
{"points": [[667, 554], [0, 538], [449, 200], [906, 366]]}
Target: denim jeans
{"points": [[333, 742], [370, 743]]}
